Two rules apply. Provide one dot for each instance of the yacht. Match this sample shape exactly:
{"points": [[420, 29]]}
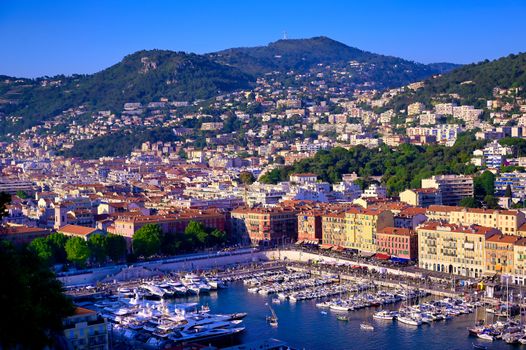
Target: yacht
{"points": [[406, 319], [384, 315], [366, 326]]}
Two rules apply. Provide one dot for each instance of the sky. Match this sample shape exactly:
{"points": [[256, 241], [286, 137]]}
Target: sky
{"points": [[40, 37]]}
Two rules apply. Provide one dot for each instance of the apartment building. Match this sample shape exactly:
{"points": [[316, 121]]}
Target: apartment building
{"points": [[421, 197], [452, 187], [262, 225], [86, 330], [333, 227], [362, 226], [310, 226], [500, 253], [398, 242], [127, 225], [452, 248]]}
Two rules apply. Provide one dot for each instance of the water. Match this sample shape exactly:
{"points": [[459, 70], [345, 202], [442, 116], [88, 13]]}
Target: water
{"points": [[302, 325]]}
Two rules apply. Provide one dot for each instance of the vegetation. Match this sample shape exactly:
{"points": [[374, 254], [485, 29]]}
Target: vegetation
{"points": [[140, 77], [400, 169], [77, 251], [33, 305], [473, 82], [147, 240], [300, 55]]}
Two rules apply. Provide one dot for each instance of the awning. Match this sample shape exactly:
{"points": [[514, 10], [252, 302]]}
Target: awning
{"points": [[338, 248], [366, 254], [299, 242], [326, 246], [382, 256], [400, 260]]}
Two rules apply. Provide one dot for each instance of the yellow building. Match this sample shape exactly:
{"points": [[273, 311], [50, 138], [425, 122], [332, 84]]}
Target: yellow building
{"points": [[361, 226], [453, 248], [500, 254], [333, 228], [519, 261], [507, 221], [85, 330]]}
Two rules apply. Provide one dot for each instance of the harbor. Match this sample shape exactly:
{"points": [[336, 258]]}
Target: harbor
{"points": [[255, 302]]}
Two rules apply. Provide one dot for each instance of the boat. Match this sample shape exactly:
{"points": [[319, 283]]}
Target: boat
{"points": [[479, 346], [342, 318], [339, 307], [273, 319], [323, 312], [276, 301], [486, 336], [409, 320], [383, 315], [366, 326]]}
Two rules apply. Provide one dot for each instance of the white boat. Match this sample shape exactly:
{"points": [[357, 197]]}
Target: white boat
{"points": [[409, 320], [486, 336], [337, 307], [366, 326], [383, 315]]}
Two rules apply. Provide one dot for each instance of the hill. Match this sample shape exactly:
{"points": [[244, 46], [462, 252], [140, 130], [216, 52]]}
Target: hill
{"points": [[471, 84], [147, 76], [302, 55], [141, 77]]}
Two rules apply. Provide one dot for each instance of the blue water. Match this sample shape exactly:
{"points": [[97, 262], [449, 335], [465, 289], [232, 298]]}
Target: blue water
{"points": [[302, 325]]}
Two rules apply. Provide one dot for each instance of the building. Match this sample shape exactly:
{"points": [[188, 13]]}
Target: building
{"points": [[362, 225], [516, 181], [375, 191], [452, 187], [305, 178], [127, 225], [334, 229], [421, 197], [499, 253], [264, 225], [11, 186], [86, 330], [507, 221], [452, 248], [398, 242], [519, 261], [409, 217], [79, 231], [310, 226], [20, 235]]}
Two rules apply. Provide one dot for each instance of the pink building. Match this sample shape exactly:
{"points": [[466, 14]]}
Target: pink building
{"points": [[398, 242]]}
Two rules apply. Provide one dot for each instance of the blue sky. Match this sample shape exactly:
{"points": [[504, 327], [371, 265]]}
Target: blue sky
{"points": [[77, 36]]}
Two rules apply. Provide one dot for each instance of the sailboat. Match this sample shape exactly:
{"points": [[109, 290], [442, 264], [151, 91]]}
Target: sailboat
{"points": [[366, 325], [273, 319]]}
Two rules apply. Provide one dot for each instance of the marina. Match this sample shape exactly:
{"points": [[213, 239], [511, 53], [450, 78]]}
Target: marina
{"points": [[303, 310]]}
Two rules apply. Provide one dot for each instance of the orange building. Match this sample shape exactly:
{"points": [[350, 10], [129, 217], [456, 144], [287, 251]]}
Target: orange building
{"points": [[500, 253]]}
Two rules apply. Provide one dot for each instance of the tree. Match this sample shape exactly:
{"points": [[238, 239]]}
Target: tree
{"points": [[491, 202], [484, 184], [247, 178], [30, 296], [115, 247], [21, 194], [57, 241], [5, 199], [508, 192], [147, 240], [469, 202], [218, 237], [196, 233], [98, 247], [77, 251], [43, 249]]}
